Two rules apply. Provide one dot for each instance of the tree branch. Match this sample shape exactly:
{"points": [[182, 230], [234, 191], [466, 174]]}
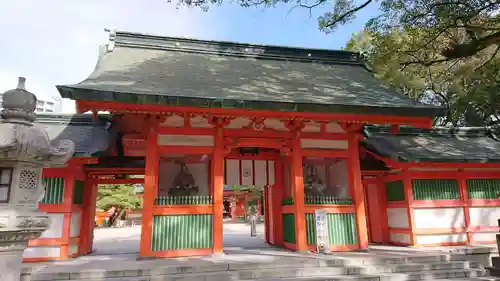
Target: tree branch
{"points": [[347, 14], [490, 59]]}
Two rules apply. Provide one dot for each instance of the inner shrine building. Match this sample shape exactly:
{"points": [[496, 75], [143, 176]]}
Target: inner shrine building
{"points": [[312, 129]]}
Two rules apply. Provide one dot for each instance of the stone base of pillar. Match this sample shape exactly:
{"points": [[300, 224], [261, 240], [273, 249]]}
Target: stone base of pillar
{"points": [[12, 245]]}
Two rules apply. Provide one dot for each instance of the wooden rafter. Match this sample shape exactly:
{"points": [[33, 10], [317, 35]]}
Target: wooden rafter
{"points": [[422, 122]]}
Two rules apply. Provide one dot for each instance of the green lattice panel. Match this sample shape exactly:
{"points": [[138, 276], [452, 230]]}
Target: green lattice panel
{"points": [[289, 228], [395, 191], [183, 200], [311, 229], [439, 189], [78, 192], [326, 200], [54, 191], [483, 188], [341, 229], [179, 232]]}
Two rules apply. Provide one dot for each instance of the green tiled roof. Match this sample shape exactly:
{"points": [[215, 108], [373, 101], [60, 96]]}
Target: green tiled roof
{"points": [[441, 144], [147, 69], [91, 137]]}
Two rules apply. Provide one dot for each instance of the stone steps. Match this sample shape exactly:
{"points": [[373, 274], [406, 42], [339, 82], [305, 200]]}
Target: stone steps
{"points": [[313, 268]]}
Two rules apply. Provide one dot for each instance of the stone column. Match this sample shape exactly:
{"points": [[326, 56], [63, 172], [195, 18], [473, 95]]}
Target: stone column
{"points": [[25, 150]]}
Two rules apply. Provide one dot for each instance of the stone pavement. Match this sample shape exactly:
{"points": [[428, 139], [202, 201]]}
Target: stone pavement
{"points": [[249, 258], [376, 264], [111, 241]]}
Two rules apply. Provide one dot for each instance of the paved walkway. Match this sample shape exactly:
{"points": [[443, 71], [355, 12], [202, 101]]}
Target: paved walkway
{"points": [[109, 241]]}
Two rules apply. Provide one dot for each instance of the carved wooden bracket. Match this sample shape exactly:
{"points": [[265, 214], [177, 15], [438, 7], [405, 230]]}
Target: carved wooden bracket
{"points": [[151, 121], [282, 145], [287, 147], [295, 125], [257, 123], [219, 121], [351, 127]]}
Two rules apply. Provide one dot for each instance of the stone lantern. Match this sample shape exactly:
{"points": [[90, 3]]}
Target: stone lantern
{"points": [[25, 149]]}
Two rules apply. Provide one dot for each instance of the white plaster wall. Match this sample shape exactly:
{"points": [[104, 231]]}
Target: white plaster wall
{"points": [[325, 144], [397, 218], [199, 122], [270, 171], [246, 172], [399, 237], [484, 216], [439, 218], [232, 172], [312, 127], [42, 252], [484, 236], [174, 121], [56, 226], [338, 179], [260, 172], [178, 140], [76, 222], [239, 122], [248, 169], [275, 124], [169, 170], [334, 127], [438, 239]]}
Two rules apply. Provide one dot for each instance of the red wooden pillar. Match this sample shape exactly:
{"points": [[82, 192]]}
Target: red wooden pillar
{"points": [[298, 196], [266, 214], [356, 187], [88, 218], [150, 190], [408, 190], [277, 198], [69, 186], [218, 190], [383, 202], [464, 197]]}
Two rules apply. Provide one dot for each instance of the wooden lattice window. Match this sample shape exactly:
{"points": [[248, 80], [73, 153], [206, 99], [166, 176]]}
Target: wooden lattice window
{"points": [[5, 184]]}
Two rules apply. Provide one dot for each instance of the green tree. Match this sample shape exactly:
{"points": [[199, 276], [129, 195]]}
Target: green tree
{"points": [[121, 196], [468, 87]]}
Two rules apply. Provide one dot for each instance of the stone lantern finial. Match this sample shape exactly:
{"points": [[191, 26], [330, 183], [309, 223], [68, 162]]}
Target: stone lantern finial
{"points": [[19, 104]]}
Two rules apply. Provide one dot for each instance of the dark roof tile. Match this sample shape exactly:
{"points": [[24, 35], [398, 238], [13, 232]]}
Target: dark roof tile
{"points": [[436, 145], [90, 136], [187, 72]]}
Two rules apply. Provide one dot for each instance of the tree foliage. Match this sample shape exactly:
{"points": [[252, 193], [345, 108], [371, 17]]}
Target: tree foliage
{"points": [[117, 195], [469, 88]]}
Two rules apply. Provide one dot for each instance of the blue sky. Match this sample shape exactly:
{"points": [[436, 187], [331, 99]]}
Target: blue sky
{"points": [[54, 42]]}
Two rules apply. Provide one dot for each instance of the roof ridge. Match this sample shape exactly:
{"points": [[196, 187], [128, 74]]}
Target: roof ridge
{"points": [[150, 41]]}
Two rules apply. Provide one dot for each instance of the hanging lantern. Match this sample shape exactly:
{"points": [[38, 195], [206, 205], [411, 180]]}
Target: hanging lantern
{"points": [[184, 184]]}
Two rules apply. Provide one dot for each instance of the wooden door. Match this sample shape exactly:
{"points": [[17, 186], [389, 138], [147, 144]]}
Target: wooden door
{"points": [[374, 213]]}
